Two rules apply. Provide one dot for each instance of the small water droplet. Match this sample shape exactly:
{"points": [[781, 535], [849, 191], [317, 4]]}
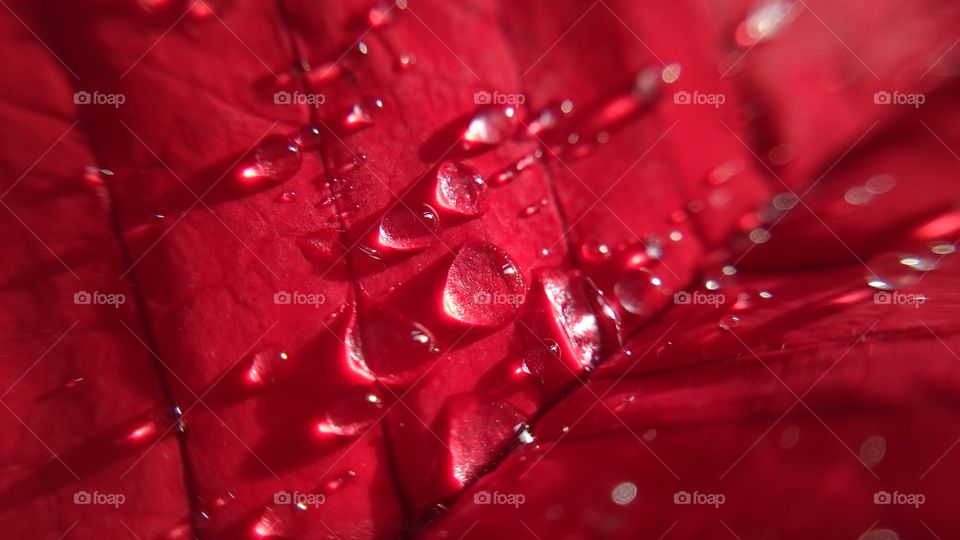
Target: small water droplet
{"points": [[509, 173], [624, 493], [594, 252], [490, 126], [872, 450], [380, 14], [320, 247], [408, 229], [729, 322], [764, 22], [407, 61], [534, 208], [286, 196], [484, 286], [362, 113], [275, 159], [461, 189]]}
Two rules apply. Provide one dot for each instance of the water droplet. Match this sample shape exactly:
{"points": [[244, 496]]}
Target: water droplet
{"points": [[534, 208], [321, 247], [723, 173], [477, 433], [387, 346], [95, 176], [309, 138], [858, 196], [582, 315], [525, 437], [484, 286], [408, 229], [624, 493], [362, 113], [640, 291], [286, 196], [594, 252], [263, 367], [729, 322], [892, 271], [490, 126], [881, 183], [942, 248], [508, 174], [461, 189], [881, 534], [407, 61], [275, 159], [873, 450], [759, 235], [764, 22], [350, 416], [380, 14]]}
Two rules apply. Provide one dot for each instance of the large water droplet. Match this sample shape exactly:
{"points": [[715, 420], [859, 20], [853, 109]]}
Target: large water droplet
{"points": [[275, 159], [892, 271], [640, 291], [408, 229], [461, 189], [478, 431], [351, 416], [263, 367], [490, 126], [484, 286], [386, 346], [583, 316]]}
